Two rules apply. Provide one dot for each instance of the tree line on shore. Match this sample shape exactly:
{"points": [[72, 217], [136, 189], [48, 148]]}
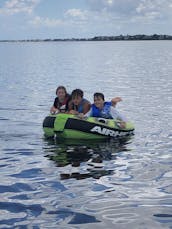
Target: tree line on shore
{"points": [[103, 38]]}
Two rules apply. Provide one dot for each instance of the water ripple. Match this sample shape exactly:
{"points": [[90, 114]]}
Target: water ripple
{"points": [[124, 183], [17, 187]]}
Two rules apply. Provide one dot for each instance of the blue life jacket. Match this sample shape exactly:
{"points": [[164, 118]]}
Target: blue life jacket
{"points": [[80, 107], [104, 113]]}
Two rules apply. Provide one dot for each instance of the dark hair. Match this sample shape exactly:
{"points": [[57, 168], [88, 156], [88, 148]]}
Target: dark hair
{"points": [[98, 94], [61, 87], [76, 93]]}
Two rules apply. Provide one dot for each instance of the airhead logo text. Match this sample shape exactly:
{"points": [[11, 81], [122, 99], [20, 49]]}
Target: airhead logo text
{"points": [[109, 132]]}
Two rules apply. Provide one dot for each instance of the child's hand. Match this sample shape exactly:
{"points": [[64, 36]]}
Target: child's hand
{"points": [[73, 112], [116, 100], [54, 110], [80, 115], [121, 124]]}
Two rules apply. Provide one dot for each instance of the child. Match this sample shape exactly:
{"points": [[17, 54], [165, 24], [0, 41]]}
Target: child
{"points": [[103, 109], [61, 101], [78, 104]]}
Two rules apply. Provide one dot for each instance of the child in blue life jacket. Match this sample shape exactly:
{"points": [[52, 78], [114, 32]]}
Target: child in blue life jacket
{"points": [[103, 109], [78, 103]]}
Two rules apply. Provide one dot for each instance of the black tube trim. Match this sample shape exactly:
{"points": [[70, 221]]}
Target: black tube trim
{"points": [[49, 121]]}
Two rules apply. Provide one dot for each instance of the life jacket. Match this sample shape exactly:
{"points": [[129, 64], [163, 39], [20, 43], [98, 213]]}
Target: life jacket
{"points": [[62, 106], [80, 107], [104, 113]]}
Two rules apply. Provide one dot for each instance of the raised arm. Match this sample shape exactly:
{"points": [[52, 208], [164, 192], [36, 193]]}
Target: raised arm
{"points": [[116, 100]]}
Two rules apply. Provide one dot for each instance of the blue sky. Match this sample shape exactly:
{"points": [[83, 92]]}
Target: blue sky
{"points": [[34, 19]]}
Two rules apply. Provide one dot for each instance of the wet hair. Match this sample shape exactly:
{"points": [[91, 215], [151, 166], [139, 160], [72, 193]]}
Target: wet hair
{"points": [[61, 87], [98, 94], [77, 93]]}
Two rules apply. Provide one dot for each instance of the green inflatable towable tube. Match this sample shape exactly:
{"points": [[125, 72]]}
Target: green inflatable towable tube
{"points": [[72, 127]]}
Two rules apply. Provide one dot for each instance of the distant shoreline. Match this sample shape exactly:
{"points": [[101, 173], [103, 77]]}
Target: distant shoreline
{"points": [[102, 38]]}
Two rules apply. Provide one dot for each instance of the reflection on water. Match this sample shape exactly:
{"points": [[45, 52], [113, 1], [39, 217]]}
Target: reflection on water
{"points": [[88, 154]]}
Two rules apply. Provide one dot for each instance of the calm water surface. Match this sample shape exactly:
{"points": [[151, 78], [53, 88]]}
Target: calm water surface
{"points": [[124, 183]]}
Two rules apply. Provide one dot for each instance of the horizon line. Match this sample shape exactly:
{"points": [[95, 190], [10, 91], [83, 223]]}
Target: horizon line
{"points": [[100, 38]]}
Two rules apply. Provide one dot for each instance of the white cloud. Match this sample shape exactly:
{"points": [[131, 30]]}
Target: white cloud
{"points": [[115, 6], [154, 10], [18, 6], [149, 6], [46, 22], [133, 8], [71, 18], [76, 14]]}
